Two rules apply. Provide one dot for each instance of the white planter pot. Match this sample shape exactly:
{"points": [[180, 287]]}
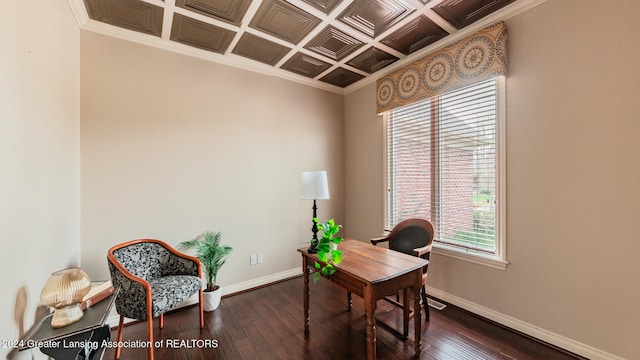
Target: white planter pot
{"points": [[211, 299], [333, 247]]}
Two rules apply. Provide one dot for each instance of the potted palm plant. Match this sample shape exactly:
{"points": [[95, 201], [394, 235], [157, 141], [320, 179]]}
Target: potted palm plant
{"points": [[212, 255]]}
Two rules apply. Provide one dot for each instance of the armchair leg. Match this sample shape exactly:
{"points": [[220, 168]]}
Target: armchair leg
{"points": [[161, 321], [150, 327], [120, 325], [424, 301], [201, 310]]}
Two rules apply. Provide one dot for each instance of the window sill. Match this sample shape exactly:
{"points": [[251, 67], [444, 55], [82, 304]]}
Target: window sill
{"points": [[471, 256]]}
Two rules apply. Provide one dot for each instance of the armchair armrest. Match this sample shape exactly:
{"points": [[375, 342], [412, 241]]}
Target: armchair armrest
{"points": [[182, 264], [421, 251], [122, 273], [131, 287], [377, 240]]}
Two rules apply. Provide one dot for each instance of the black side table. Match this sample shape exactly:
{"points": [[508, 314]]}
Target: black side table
{"points": [[82, 340]]}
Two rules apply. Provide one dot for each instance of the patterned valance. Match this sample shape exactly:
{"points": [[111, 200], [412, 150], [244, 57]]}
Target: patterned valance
{"points": [[477, 57]]}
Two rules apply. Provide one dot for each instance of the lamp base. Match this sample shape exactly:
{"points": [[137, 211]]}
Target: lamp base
{"points": [[66, 315], [313, 247]]}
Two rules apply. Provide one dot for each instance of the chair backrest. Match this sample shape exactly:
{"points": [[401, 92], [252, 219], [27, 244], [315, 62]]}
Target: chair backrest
{"points": [[144, 258], [411, 234]]}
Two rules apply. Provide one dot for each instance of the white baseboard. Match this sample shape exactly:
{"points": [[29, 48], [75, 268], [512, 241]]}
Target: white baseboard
{"points": [[547, 336], [114, 318], [246, 285]]}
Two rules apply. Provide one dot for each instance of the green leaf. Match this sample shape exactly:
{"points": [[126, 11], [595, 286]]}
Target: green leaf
{"points": [[317, 265], [322, 256], [324, 271], [316, 276], [336, 255], [330, 270]]}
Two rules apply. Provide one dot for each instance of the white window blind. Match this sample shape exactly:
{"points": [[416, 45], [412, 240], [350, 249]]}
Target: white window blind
{"points": [[441, 165]]}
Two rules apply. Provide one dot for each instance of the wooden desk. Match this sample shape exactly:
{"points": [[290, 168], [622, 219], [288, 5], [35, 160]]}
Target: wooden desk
{"points": [[372, 273]]}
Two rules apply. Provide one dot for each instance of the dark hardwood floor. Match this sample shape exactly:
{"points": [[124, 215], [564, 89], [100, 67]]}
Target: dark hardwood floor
{"points": [[267, 323]]}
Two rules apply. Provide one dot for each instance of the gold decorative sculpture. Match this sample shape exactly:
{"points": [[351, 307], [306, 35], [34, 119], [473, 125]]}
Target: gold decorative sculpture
{"points": [[63, 291]]}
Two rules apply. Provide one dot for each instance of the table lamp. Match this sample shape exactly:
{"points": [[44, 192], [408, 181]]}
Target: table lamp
{"points": [[63, 291], [314, 187]]}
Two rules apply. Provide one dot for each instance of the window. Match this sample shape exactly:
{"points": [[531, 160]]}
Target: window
{"points": [[445, 163]]}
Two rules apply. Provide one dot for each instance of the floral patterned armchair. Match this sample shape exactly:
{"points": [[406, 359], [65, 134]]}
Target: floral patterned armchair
{"points": [[153, 279]]}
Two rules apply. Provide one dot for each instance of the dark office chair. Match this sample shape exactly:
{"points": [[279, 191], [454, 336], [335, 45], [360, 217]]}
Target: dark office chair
{"points": [[413, 237], [153, 278]]}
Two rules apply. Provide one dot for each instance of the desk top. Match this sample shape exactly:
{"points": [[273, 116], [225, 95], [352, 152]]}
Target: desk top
{"points": [[372, 264], [94, 317]]}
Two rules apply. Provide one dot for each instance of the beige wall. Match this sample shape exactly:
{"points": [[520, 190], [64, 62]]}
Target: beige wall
{"points": [[173, 146], [364, 173], [572, 179], [39, 152]]}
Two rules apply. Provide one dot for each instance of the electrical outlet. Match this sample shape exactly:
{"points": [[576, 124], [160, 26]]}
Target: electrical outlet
{"points": [[260, 258], [253, 259]]}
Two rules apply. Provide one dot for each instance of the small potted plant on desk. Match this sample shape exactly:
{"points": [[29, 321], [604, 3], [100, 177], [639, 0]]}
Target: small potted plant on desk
{"points": [[212, 255], [327, 248]]}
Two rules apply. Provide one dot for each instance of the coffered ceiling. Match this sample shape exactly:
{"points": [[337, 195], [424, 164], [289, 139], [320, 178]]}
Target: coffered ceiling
{"points": [[330, 44]]}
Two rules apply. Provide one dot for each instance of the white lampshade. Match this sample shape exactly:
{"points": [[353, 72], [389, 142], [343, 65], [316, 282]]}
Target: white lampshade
{"points": [[315, 185]]}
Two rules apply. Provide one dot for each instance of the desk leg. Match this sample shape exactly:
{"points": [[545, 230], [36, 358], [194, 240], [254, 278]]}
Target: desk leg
{"points": [[405, 312], [417, 318], [370, 312], [305, 276]]}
